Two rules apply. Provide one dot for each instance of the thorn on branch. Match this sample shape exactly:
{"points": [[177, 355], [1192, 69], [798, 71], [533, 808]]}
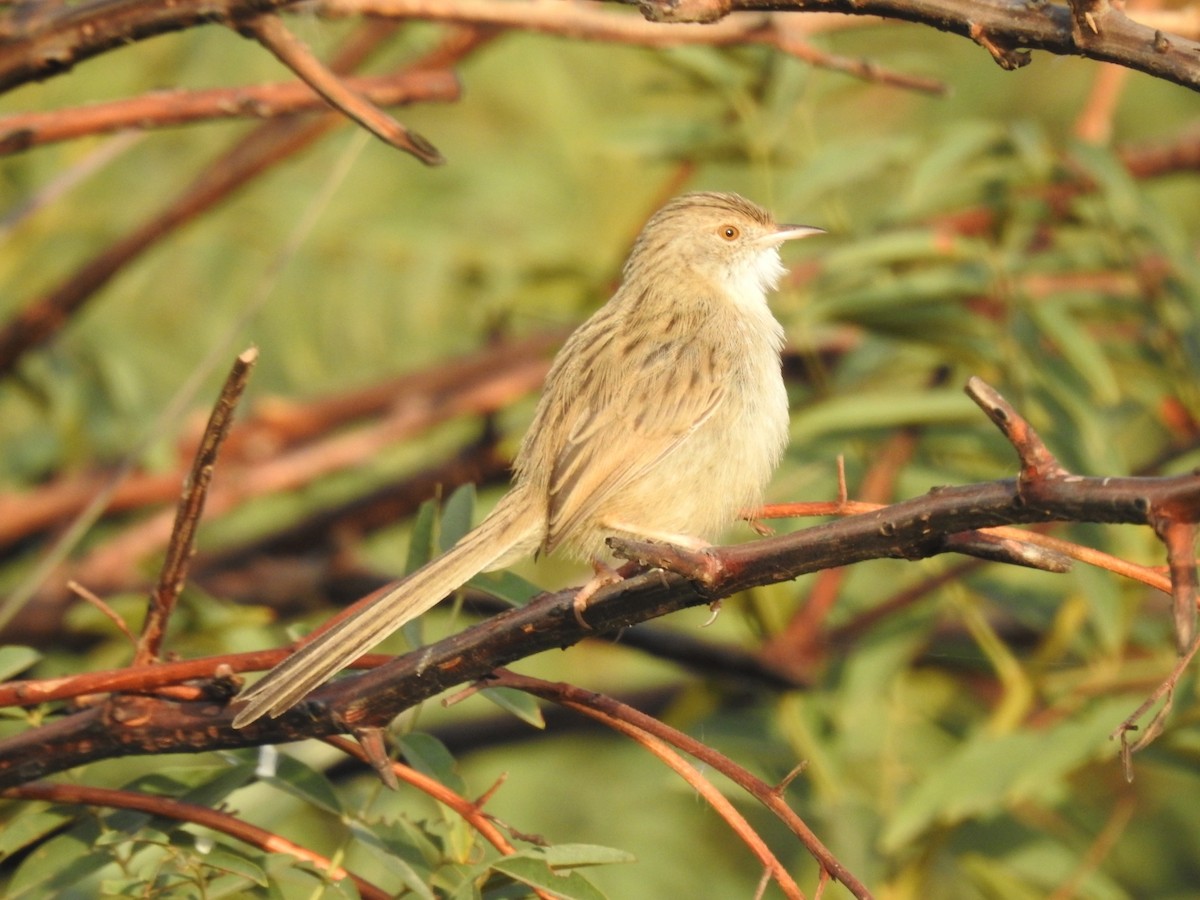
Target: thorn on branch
{"points": [[1005, 55], [374, 744], [1084, 17]]}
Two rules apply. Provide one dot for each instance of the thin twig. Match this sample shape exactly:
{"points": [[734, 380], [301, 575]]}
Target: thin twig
{"points": [[268, 29], [182, 542], [471, 813], [1165, 692], [626, 718], [107, 611], [161, 109], [193, 813], [264, 147], [1037, 462], [592, 23]]}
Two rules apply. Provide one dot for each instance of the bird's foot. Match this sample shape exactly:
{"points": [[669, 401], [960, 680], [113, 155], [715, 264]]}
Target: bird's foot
{"points": [[603, 575]]}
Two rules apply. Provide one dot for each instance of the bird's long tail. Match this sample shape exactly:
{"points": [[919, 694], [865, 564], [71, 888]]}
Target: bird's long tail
{"points": [[513, 529]]}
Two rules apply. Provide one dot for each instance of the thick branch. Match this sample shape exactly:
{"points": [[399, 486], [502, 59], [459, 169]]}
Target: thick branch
{"points": [[51, 44], [1008, 29], [912, 529]]}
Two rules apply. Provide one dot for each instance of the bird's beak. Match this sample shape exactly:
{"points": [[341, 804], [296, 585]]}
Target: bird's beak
{"points": [[794, 232]]}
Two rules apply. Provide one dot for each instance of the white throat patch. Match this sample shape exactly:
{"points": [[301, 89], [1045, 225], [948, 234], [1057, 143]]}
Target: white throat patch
{"points": [[747, 284]]}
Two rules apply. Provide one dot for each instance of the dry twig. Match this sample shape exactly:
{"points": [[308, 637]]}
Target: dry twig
{"points": [[268, 29], [182, 543]]}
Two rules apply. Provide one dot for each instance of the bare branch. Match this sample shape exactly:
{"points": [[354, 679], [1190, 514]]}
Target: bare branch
{"points": [[1008, 29], [911, 529], [264, 147], [161, 109], [592, 23], [38, 47], [182, 543], [270, 31]]}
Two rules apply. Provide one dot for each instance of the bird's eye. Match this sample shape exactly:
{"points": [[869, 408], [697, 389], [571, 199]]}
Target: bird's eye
{"points": [[729, 232]]}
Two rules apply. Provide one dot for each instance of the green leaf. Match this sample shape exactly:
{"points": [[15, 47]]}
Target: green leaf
{"points": [[883, 409], [845, 165], [25, 825], [222, 782], [15, 659], [233, 864], [1120, 191], [58, 863], [428, 755], [401, 848], [562, 855], [914, 289], [305, 783], [457, 516], [991, 772], [857, 261], [1078, 347], [939, 171], [522, 705], [289, 877], [420, 544], [537, 873], [507, 586]]}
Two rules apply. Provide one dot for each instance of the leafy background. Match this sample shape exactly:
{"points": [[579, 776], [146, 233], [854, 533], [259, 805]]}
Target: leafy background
{"points": [[959, 748]]}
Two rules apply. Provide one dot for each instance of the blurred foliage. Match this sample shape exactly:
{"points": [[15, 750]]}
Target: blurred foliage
{"points": [[943, 759]]}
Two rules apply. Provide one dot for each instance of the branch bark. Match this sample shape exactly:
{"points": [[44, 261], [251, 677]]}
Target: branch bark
{"points": [[43, 46], [913, 529], [1007, 29]]}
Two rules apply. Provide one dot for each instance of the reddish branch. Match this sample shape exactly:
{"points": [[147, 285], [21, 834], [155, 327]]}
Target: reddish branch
{"points": [[471, 813], [284, 447], [594, 23], [914, 529], [181, 811], [631, 721], [160, 109], [495, 376], [263, 148], [53, 43]]}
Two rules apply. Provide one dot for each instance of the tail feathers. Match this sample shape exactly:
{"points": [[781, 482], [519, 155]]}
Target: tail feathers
{"points": [[512, 527]]}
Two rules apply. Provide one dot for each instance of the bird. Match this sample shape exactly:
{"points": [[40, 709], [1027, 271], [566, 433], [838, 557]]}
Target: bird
{"points": [[662, 418]]}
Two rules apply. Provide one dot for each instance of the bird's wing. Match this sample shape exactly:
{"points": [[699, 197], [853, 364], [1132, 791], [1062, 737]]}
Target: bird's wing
{"points": [[622, 433]]}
